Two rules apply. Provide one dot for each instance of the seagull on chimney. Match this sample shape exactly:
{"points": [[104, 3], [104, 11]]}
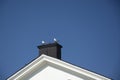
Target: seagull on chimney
{"points": [[55, 40], [43, 42]]}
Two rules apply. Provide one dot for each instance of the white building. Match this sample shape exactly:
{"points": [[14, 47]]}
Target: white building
{"points": [[49, 66]]}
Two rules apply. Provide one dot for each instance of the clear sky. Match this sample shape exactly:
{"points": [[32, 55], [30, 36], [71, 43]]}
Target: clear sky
{"points": [[88, 30]]}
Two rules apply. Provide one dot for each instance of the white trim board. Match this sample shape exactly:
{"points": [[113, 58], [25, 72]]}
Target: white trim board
{"points": [[44, 60]]}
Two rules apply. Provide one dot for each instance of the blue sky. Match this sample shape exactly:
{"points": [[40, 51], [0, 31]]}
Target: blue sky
{"points": [[88, 30]]}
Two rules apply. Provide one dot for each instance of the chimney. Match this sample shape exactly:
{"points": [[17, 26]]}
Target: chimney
{"points": [[51, 49]]}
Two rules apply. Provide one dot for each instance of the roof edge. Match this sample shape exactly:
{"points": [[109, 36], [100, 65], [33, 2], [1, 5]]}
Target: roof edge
{"points": [[44, 58]]}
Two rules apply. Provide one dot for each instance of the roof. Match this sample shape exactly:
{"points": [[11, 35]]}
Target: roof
{"points": [[44, 60]]}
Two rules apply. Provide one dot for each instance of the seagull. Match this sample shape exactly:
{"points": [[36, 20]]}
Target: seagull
{"points": [[55, 40], [43, 42]]}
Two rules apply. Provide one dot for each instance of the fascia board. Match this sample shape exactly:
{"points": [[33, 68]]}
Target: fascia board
{"points": [[75, 68], [55, 62], [39, 61]]}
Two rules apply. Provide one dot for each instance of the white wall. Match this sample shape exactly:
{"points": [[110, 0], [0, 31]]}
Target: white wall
{"points": [[50, 73]]}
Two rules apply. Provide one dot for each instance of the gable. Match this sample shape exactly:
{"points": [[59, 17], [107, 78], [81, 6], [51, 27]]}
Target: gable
{"points": [[51, 73], [48, 68]]}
